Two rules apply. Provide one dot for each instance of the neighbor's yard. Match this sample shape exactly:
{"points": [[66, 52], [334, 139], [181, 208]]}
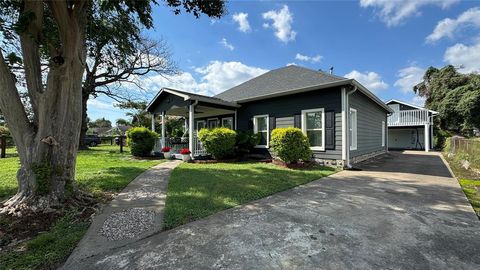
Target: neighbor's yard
{"points": [[199, 190], [101, 170]]}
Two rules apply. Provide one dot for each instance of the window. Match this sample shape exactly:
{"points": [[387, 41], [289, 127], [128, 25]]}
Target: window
{"points": [[227, 122], [313, 125], [261, 126], [383, 133], [212, 122], [353, 129], [201, 124]]}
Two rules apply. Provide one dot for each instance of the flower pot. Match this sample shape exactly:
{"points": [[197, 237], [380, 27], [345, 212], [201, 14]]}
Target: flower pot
{"points": [[186, 158], [167, 155]]}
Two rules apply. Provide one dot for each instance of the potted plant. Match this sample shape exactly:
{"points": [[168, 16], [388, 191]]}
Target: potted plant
{"points": [[185, 152], [166, 152]]}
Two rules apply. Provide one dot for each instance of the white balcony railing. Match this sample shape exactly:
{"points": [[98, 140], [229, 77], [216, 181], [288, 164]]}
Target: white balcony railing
{"points": [[409, 118]]}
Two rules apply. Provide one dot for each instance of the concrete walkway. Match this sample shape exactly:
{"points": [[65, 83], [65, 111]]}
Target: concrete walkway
{"points": [[403, 211], [136, 213]]}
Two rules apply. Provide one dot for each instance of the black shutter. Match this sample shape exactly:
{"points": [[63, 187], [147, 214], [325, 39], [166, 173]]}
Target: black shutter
{"points": [[250, 124], [272, 123], [297, 120], [329, 130]]}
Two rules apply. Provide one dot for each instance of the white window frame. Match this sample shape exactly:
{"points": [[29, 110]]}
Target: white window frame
{"points": [[216, 119], [204, 124], [228, 118], [304, 126], [383, 133], [255, 129], [354, 130]]}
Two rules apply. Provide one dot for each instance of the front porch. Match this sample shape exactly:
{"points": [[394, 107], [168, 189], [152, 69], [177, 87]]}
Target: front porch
{"points": [[198, 111]]}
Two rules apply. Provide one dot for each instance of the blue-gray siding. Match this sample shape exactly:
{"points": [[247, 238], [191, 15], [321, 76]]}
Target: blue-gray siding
{"points": [[288, 106], [369, 124]]}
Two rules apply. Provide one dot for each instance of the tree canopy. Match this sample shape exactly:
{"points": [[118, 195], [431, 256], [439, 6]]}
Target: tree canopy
{"points": [[454, 95]]}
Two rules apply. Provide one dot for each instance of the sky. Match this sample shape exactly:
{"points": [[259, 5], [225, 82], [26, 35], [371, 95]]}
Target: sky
{"points": [[385, 45]]}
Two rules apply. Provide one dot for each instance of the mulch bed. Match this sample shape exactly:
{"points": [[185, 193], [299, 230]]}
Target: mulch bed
{"points": [[299, 165]]}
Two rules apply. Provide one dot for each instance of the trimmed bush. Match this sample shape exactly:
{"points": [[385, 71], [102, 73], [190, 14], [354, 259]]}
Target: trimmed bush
{"points": [[220, 142], [141, 141], [290, 145]]}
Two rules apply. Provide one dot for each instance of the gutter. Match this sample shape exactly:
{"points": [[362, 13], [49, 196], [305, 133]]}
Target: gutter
{"points": [[345, 124]]}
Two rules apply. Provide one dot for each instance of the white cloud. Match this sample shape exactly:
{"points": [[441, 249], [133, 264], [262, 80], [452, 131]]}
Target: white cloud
{"points": [[282, 22], [408, 78], [419, 101], [95, 103], [395, 12], [465, 58], [313, 59], [291, 64], [371, 80], [242, 20], [227, 45], [448, 27], [215, 77]]}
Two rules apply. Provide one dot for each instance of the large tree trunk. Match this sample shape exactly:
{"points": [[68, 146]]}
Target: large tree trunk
{"points": [[47, 148]]}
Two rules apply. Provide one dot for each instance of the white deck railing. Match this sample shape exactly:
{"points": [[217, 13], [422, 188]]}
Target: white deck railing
{"points": [[178, 143], [409, 118]]}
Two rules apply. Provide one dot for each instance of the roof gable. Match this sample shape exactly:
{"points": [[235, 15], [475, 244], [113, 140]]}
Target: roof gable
{"points": [[279, 80]]}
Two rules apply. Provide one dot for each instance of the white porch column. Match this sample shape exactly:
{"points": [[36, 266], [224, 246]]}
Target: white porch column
{"points": [[426, 135], [191, 116], [163, 129], [153, 122], [186, 124]]}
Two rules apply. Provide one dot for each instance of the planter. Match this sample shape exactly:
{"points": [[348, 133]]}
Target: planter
{"points": [[167, 155], [186, 158]]}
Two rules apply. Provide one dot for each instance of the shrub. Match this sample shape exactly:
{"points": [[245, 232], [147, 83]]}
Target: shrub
{"points": [[290, 145], [220, 142], [141, 141], [4, 131], [246, 140]]}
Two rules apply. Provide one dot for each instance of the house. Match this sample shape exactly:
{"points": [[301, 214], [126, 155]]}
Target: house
{"points": [[410, 126], [344, 121]]}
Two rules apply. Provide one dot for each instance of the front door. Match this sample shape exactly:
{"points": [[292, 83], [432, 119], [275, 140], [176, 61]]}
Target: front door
{"points": [[212, 123]]}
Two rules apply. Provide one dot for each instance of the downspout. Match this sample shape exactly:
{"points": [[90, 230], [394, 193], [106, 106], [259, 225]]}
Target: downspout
{"points": [[347, 126]]}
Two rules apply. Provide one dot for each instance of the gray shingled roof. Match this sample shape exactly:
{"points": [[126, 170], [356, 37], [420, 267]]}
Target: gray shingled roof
{"points": [[278, 80]]}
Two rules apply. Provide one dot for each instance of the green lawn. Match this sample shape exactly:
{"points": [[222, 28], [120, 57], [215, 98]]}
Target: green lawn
{"points": [[471, 188], [101, 170], [199, 190]]}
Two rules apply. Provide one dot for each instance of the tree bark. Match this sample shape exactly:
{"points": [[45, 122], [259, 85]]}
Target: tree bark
{"points": [[47, 150], [83, 132]]}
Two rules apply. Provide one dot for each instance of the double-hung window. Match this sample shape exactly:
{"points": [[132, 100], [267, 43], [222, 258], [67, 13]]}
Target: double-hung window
{"points": [[201, 124], [261, 126], [353, 129], [227, 122], [313, 125]]}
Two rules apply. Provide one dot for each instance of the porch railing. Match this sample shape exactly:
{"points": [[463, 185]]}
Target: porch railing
{"points": [[409, 118], [177, 143]]}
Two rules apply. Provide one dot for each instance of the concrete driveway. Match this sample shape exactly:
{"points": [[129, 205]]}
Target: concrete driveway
{"points": [[402, 211]]}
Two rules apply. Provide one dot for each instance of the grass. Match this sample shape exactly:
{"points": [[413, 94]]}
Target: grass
{"points": [[199, 190], [47, 250], [101, 170], [471, 188]]}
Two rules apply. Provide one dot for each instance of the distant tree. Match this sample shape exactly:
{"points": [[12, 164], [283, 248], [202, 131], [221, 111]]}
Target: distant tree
{"points": [[122, 122], [454, 95], [100, 123]]}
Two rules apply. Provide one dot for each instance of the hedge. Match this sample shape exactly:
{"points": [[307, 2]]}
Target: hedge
{"points": [[290, 145]]}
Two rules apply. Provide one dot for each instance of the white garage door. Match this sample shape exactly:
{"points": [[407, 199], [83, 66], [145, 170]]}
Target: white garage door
{"points": [[410, 138]]}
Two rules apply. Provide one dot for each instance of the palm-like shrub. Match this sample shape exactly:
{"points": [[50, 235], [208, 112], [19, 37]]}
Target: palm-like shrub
{"points": [[141, 141], [290, 145], [220, 142]]}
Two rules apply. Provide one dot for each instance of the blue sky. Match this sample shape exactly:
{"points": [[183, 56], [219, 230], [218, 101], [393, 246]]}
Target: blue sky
{"points": [[386, 45]]}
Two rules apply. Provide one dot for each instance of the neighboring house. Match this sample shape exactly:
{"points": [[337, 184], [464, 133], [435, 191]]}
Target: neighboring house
{"points": [[343, 120], [408, 125]]}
